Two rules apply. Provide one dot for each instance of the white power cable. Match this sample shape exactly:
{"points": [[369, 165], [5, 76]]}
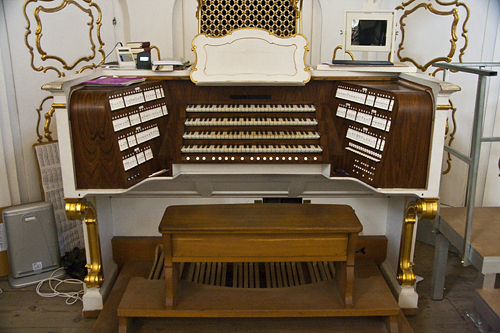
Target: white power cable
{"points": [[71, 296]]}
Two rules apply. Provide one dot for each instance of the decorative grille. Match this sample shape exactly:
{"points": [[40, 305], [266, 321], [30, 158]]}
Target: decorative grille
{"points": [[219, 17]]}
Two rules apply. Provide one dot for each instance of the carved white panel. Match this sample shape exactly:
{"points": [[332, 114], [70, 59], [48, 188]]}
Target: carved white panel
{"points": [[250, 56]]}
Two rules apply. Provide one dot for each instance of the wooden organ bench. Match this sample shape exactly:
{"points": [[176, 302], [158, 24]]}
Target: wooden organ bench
{"points": [[259, 233]]}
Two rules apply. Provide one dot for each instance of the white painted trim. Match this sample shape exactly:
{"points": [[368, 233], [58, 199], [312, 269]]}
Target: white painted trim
{"points": [[406, 296], [13, 187], [94, 298]]}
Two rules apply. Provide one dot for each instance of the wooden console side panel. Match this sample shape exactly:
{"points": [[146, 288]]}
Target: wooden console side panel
{"points": [[408, 161], [404, 161], [98, 158]]}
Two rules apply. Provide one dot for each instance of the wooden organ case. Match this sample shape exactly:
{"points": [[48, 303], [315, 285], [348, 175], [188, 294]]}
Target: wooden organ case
{"points": [[377, 131]]}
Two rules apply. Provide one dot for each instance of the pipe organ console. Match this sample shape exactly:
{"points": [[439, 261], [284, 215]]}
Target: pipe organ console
{"points": [[378, 131], [257, 123]]}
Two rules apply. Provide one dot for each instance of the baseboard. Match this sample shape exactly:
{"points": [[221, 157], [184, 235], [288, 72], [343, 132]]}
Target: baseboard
{"points": [[126, 248], [109, 281]]}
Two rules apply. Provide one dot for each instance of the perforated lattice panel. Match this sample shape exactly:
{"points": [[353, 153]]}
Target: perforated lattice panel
{"points": [[219, 17]]}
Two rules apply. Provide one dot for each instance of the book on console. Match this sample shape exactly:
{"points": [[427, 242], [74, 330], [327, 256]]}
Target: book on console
{"points": [[138, 45], [169, 64], [169, 61], [114, 81]]}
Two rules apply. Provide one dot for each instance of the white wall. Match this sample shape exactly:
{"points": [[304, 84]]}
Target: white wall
{"points": [[21, 83], [9, 129], [483, 35], [491, 151]]}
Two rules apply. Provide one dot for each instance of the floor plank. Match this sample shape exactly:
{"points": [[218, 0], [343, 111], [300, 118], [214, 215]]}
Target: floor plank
{"points": [[52, 315], [258, 325], [23, 310]]}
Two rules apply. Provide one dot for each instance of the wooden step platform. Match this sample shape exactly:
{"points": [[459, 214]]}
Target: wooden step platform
{"points": [[259, 325], [487, 305], [485, 248], [374, 305]]}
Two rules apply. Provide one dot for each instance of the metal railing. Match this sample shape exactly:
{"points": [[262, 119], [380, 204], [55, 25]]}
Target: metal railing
{"points": [[478, 68]]}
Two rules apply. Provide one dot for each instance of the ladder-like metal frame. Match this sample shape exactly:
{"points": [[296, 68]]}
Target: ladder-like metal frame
{"points": [[477, 139]]}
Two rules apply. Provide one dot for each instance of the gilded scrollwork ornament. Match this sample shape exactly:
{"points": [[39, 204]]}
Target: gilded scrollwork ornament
{"points": [[339, 47], [440, 9], [57, 63], [48, 114], [81, 209], [450, 135], [418, 209]]}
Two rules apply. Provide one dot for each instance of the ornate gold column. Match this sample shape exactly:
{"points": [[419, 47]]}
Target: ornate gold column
{"points": [[81, 209], [418, 209]]}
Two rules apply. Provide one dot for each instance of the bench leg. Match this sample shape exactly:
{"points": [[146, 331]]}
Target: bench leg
{"points": [[171, 282], [391, 323], [171, 272], [123, 324], [344, 275], [344, 272]]}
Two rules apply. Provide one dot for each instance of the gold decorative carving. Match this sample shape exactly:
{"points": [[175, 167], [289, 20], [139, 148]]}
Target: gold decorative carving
{"points": [[38, 35], [48, 118], [418, 209], [453, 41], [217, 18], [157, 50], [39, 110], [81, 209], [339, 47], [451, 134], [409, 8]]}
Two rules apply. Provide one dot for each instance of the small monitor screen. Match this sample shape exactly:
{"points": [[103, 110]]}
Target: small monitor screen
{"points": [[144, 58], [126, 57], [369, 32]]}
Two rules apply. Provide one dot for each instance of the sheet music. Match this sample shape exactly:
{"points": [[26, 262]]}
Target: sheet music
{"points": [[70, 232]]}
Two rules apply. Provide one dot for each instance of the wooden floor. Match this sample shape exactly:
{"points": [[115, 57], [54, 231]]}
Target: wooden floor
{"points": [[22, 310]]}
